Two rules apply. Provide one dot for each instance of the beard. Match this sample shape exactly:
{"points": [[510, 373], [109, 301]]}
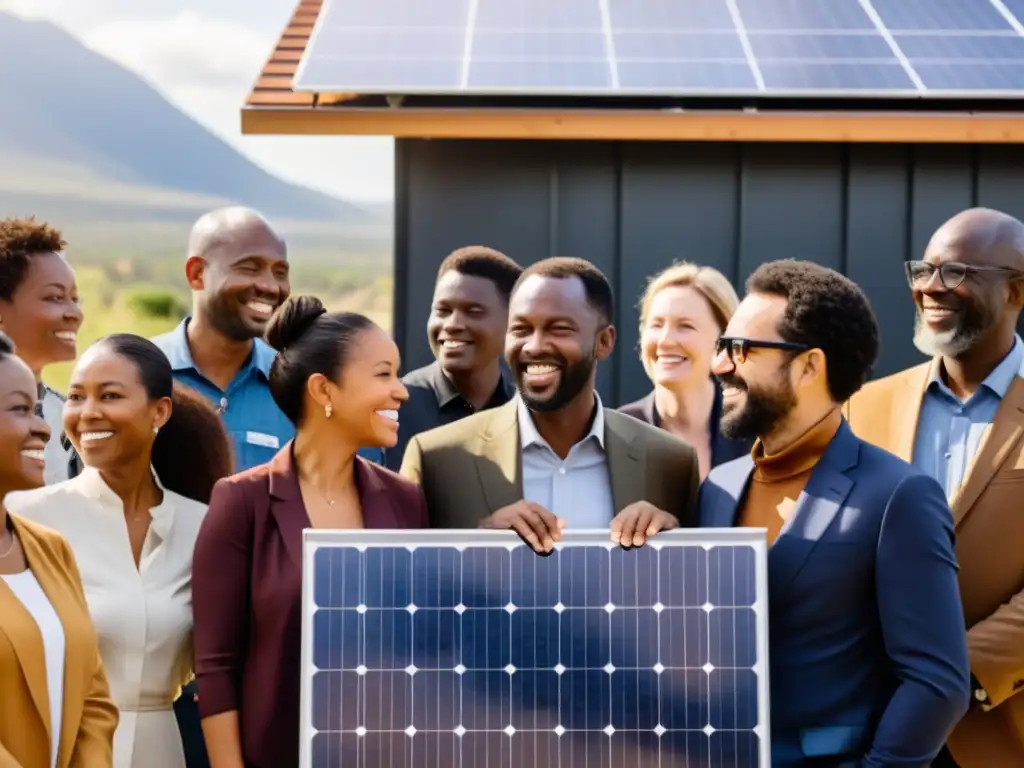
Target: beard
{"points": [[972, 324], [762, 411], [223, 314], [572, 381]]}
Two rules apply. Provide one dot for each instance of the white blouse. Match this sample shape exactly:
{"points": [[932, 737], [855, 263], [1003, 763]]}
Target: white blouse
{"points": [[143, 615], [26, 588]]}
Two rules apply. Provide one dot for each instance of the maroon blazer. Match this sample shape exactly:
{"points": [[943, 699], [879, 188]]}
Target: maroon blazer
{"points": [[247, 590]]}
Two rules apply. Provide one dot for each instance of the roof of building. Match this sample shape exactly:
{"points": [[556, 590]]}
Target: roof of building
{"points": [[275, 107]]}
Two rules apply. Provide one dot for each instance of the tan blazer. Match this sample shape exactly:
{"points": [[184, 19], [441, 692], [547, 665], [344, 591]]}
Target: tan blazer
{"points": [[89, 715], [988, 512], [473, 467]]}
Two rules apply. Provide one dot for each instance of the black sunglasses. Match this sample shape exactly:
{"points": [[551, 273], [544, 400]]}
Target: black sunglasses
{"points": [[951, 273], [738, 348]]}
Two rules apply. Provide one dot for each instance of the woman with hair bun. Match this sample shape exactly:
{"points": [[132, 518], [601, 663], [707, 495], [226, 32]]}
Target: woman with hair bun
{"points": [[336, 378], [152, 451]]}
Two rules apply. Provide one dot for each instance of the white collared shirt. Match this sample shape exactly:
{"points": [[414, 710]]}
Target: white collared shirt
{"points": [[578, 488], [143, 616]]}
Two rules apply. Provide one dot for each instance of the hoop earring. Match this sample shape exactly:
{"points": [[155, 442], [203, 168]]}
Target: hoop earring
{"points": [[328, 410]]}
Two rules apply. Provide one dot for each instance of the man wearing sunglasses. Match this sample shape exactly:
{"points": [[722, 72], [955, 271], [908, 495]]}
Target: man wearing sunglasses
{"points": [[868, 660], [960, 419]]}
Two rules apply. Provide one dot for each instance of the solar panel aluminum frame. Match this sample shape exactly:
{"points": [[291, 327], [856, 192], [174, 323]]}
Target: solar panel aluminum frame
{"points": [[313, 539]]}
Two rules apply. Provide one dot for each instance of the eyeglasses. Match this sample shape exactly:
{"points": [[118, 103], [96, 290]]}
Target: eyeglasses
{"points": [[951, 273], [738, 348]]}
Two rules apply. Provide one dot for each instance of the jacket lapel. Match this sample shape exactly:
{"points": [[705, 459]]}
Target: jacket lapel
{"points": [[627, 462], [906, 409], [286, 504], [720, 500], [50, 575], [499, 463], [999, 440], [23, 634], [825, 493]]}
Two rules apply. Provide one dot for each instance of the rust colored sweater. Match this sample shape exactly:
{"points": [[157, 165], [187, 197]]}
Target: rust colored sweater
{"points": [[778, 480]]}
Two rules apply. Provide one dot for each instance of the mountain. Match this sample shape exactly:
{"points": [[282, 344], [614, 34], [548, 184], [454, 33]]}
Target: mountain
{"points": [[83, 138]]}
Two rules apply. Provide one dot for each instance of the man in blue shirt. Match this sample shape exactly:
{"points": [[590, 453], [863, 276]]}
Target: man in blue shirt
{"points": [[237, 268]]}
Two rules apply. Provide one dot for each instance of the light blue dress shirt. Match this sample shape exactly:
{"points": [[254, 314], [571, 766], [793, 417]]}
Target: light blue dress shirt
{"points": [[949, 430], [258, 427], [577, 488]]}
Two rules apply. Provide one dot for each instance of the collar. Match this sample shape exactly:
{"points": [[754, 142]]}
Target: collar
{"points": [[92, 485], [528, 434], [799, 456], [180, 356], [999, 379], [445, 390]]}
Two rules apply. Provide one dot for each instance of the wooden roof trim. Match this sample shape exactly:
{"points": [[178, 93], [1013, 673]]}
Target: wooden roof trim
{"points": [[634, 125]]}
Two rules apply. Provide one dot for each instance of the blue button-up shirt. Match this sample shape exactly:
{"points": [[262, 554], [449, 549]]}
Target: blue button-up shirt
{"points": [[258, 427], [949, 430]]}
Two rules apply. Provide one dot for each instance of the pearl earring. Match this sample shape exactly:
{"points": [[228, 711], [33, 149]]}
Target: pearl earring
{"points": [[156, 430], [328, 410]]}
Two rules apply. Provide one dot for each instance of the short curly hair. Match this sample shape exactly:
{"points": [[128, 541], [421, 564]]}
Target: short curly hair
{"points": [[481, 261], [19, 240], [824, 310]]}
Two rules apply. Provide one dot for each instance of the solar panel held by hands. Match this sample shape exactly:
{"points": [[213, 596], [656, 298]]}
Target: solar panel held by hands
{"points": [[441, 649]]}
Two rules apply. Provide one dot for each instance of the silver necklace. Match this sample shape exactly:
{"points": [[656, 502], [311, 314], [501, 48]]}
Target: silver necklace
{"points": [[10, 547]]}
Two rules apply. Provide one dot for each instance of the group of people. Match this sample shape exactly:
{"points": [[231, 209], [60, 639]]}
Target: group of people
{"points": [[152, 516]]}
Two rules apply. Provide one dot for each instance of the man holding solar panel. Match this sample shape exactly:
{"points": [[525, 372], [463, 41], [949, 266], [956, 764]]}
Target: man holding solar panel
{"points": [[554, 456]]}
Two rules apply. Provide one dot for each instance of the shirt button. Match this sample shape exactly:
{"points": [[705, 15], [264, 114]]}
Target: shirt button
{"points": [[561, 470], [948, 455]]}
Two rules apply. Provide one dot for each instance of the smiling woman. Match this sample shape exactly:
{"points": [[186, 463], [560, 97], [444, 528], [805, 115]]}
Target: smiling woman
{"points": [[336, 378], [39, 311], [48, 651], [152, 451]]}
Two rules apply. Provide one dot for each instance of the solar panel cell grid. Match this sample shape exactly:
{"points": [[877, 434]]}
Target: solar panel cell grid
{"points": [[789, 15], [481, 656], [667, 47], [951, 15]]}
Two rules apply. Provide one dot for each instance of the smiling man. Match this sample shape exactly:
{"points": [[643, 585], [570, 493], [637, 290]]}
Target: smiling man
{"points": [[237, 268], [466, 331], [868, 664], [554, 457], [960, 419]]}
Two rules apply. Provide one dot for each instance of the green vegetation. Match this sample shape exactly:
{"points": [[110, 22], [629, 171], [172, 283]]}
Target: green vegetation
{"points": [[146, 293]]}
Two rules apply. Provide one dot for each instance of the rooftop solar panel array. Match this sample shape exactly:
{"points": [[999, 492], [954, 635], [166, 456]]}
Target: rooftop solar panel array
{"points": [[668, 47], [423, 650]]}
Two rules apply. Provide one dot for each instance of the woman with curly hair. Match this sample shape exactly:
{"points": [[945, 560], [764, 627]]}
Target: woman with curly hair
{"points": [[152, 450], [40, 313]]}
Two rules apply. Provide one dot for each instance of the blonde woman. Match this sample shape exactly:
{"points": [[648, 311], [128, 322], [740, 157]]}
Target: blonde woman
{"points": [[682, 313]]}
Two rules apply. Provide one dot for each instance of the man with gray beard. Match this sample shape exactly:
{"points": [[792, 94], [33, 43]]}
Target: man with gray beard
{"points": [[960, 419]]}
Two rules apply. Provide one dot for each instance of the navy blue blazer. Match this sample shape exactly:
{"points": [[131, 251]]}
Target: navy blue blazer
{"points": [[722, 448], [868, 650]]}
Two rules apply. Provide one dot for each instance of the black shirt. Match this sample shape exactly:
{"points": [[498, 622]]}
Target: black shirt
{"points": [[433, 402]]}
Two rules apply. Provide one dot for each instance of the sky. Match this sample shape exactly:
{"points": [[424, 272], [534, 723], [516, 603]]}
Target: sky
{"points": [[204, 56]]}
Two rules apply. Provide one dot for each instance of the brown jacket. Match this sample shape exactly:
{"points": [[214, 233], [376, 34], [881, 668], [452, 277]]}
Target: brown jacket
{"points": [[988, 512], [89, 716], [472, 468]]}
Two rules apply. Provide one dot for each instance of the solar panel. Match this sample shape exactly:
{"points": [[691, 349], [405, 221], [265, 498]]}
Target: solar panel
{"points": [[667, 47], [449, 649]]}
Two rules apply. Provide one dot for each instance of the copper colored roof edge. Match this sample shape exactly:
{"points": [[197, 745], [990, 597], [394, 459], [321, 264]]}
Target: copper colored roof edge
{"points": [[273, 86]]}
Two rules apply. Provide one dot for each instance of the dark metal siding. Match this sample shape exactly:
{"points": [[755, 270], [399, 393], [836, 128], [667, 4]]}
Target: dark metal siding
{"points": [[632, 208]]}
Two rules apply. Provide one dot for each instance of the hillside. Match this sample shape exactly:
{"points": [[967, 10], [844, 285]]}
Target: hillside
{"points": [[84, 139]]}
